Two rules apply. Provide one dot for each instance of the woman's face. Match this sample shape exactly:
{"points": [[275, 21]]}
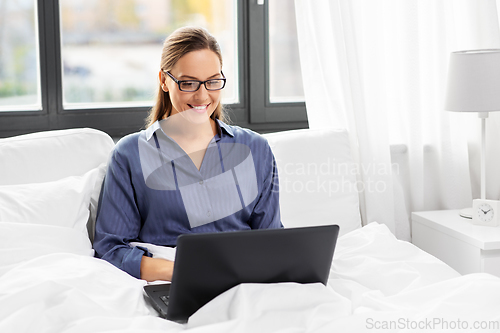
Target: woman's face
{"points": [[199, 105]]}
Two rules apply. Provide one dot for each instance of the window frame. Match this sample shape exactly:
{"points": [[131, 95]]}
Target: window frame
{"points": [[253, 110]]}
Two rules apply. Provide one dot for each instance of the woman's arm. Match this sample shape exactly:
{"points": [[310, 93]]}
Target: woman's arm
{"points": [[266, 213], [153, 269], [118, 219]]}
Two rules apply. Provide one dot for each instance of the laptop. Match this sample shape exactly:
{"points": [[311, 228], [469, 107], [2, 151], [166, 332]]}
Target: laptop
{"points": [[206, 265]]}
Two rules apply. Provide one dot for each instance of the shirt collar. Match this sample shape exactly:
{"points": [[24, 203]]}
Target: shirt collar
{"points": [[220, 126], [226, 127], [152, 129]]}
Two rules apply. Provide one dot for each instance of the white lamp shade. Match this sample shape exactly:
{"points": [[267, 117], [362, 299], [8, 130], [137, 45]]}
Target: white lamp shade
{"points": [[474, 81]]}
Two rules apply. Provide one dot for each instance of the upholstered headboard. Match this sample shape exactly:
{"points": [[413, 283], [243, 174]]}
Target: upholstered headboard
{"points": [[52, 155], [316, 171]]}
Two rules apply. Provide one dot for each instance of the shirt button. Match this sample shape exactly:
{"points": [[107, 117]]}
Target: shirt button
{"points": [[208, 213], [201, 182]]}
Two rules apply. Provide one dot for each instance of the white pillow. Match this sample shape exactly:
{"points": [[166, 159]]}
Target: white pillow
{"points": [[52, 155], [317, 178], [64, 203]]}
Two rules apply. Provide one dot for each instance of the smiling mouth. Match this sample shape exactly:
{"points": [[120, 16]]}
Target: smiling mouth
{"points": [[199, 108]]}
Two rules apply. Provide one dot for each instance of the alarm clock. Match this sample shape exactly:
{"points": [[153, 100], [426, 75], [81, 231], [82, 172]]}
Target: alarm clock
{"points": [[486, 212]]}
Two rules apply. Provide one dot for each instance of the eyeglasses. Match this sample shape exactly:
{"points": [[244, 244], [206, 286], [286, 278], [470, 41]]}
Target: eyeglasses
{"points": [[194, 85]]}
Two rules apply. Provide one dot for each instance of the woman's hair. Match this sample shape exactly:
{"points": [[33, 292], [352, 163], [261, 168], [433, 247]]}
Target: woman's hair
{"points": [[180, 42]]}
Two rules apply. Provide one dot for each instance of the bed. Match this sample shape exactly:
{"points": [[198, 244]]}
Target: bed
{"points": [[50, 281]]}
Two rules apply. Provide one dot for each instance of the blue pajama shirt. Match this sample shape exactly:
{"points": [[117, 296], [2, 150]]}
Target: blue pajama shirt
{"points": [[153, 192]]}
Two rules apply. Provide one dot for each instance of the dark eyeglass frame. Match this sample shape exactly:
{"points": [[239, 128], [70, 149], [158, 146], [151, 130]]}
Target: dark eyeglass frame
{"points": [[179, 82]]}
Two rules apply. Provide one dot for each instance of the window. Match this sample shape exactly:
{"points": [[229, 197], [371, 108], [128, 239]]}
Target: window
{"points": [[285, 78], [276, 90], [19, 71], [94, 63], [111, 48]]}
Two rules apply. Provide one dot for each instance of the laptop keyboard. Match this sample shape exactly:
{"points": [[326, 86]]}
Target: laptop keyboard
{"points": [[164, 299]]}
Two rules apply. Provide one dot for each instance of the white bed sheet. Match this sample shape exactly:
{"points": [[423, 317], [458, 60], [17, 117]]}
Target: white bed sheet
{"points": [[53, 285]]}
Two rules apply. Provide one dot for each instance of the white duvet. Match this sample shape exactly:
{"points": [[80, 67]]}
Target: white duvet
{"points": [[49, 282]]}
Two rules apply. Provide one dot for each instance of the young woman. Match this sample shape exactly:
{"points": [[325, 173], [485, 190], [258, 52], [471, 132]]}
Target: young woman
{"points": [[188, 171]]}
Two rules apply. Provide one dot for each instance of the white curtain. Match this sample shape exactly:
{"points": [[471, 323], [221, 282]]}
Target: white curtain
{"points": [[379, 69]]}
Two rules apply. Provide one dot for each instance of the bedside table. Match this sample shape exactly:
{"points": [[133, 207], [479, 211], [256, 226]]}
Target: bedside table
{"points": [[466, 247]]}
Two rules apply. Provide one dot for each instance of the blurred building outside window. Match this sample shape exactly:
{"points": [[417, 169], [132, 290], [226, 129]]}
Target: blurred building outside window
{"points": [[111, 49], [19, 61]]}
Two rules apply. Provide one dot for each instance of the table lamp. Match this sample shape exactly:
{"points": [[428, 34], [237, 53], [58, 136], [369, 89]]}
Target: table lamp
{"points": [[474, 86]]}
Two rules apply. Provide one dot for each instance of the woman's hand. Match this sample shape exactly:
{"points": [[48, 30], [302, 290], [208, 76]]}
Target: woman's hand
{"points": [[153, 269]]}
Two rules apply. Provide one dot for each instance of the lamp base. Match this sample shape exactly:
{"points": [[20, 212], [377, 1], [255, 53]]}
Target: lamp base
{"points": [[466, 213]]}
